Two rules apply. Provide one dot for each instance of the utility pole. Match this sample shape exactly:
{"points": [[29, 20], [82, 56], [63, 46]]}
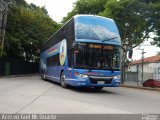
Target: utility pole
{"points": [[3, 28], [142, 63], [3, 21]]}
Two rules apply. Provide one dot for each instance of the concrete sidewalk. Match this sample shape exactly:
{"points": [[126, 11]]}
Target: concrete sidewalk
{"points": [[129, 85]]}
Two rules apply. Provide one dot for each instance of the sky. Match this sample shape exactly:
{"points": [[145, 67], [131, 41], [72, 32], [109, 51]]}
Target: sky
{"points": [[149, 50], [57, 9]]}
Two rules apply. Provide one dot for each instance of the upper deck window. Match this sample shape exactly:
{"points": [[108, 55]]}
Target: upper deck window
{"points": [[96, 28]]}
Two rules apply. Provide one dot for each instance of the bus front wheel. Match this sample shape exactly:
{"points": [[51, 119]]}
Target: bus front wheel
{"points": [[63, 83]]}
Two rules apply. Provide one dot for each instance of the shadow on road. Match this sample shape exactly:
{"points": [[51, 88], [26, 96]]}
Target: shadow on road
{"points": [[90, 90]]}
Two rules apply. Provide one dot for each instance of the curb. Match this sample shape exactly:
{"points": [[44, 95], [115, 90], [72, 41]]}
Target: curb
{"points": [[142, 88], [22, 75]]}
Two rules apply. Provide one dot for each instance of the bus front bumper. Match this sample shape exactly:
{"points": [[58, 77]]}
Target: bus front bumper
{"points": [[89, 83]]}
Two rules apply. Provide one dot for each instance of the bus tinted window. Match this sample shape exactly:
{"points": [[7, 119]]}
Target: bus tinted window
{"points": [[53, 60]]}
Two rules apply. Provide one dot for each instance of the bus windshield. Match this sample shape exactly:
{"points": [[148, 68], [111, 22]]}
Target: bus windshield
{"points": [[96, 28], [97, 57]]}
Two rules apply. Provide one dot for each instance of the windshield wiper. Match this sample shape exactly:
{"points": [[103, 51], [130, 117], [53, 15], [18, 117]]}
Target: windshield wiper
{"points": [[109, 39]]}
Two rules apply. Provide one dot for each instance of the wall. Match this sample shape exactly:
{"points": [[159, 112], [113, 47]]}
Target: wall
{"points": [[17, 67], [147, 67]]}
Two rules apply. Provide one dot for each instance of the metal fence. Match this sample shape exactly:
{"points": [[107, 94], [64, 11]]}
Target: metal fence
{"points": [[136, 77], [156, 73], [17, 67]]}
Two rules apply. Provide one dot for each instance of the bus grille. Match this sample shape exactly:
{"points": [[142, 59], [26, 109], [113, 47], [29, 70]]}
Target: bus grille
{"points": [[94, 80]]}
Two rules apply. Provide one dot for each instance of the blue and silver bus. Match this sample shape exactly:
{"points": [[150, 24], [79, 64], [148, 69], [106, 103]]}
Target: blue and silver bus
{"points": [[85, 52]]}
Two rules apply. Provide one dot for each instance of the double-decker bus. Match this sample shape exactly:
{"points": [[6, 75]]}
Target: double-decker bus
{"points": [[85, 52]]}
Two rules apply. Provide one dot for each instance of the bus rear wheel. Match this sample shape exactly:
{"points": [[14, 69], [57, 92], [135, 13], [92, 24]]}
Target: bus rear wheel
{"points": [[98, 88], [63, 83]]}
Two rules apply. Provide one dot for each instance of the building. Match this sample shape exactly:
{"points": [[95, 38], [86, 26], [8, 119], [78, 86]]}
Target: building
{"points": [[151, 67]]}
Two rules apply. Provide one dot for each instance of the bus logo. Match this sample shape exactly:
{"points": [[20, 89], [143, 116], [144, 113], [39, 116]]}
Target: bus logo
{"points": [[63, 50]]}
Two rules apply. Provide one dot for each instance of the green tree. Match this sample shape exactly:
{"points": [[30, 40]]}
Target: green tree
{"points": [[156, 23], [28, 27], [86, 7]]}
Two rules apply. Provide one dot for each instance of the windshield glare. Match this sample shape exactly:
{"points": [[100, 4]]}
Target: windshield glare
{"points": [[96, 28], [96, 56]]}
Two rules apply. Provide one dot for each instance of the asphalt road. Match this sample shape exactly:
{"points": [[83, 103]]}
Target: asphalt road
{"points": [[32, 95]]}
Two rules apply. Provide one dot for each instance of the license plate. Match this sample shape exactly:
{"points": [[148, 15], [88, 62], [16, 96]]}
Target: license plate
{"points": [[101, 82]]}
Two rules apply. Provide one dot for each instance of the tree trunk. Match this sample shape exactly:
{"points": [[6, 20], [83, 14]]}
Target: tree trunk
{"points": [[124, 56]]}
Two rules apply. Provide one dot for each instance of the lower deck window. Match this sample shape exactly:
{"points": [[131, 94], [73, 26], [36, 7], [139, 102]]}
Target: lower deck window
{"points": [[53, 60]]}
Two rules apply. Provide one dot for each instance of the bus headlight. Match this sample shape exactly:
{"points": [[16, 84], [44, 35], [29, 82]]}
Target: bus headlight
{"points": [[117, 77], [81, 75]]}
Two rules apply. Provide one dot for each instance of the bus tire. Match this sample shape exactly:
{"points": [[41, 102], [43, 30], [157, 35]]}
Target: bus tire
{"points": [[98, 88], [62, 80], [43, 76]]}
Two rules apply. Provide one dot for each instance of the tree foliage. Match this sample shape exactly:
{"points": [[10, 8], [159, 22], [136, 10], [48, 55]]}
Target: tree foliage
{"points": [[86, 7], [156, 23], [28, 27]]}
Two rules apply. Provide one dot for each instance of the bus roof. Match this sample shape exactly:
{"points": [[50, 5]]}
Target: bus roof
{"points": [[78, 16], [84, 15]]}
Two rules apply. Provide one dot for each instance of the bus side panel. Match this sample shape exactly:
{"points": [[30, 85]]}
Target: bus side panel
{"points": [[54, 61]]}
